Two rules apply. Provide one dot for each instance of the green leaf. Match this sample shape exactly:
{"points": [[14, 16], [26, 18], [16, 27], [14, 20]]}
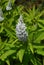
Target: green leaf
{"points": [[41, 21], [26, 59], [39, 15], [13, 1], [36, 47], [40, 25], [1, 27], [31, 47], [7, 61], [6, 54], [20, 54], [39, 36], [34, 60], [40, 51], [9, 31]]}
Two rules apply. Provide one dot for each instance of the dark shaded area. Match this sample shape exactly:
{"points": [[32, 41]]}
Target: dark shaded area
{"points": [[3, 62], [3, 36], [42, 41], [30, 3], [39, 56]]}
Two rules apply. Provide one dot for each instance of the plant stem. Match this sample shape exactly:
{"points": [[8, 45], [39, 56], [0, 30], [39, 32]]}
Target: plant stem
{"points": [[43, 60]]}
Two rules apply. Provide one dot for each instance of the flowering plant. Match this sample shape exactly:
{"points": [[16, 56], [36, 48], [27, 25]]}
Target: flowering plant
{"points": [[21, 35]]}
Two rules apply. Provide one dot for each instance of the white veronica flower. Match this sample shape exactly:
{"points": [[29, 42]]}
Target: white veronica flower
{"points": [[21, 30], [1, 15], [9, 6]]}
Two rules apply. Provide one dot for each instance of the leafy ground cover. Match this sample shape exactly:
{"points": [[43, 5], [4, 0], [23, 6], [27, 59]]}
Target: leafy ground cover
{"points": [[12, 50]]}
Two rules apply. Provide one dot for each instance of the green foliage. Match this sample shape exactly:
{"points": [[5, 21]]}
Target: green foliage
{"points": [[20, 54], [10, 46]]}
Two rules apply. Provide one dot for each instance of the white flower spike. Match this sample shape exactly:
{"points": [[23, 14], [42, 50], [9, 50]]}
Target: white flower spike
{"points": [[1, 15], [9, 6], [21, 30]]}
